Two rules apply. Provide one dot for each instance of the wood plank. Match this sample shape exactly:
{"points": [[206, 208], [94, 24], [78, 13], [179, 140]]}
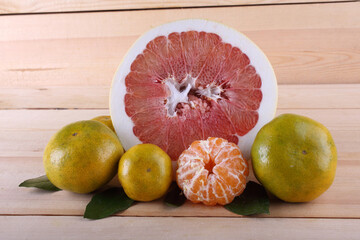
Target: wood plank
{"points": [[26, 132], [111, 24], [334, 203], [305, 43], [11, 7], [345, 96], [56, 97], [319, 96], [32, 143], [50, 120], [41, 227]]}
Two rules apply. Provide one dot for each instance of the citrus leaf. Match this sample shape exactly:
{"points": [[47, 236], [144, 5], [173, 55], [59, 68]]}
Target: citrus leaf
{"points": [[175, 197], [253, 200], [106, 203], [41, 182]]}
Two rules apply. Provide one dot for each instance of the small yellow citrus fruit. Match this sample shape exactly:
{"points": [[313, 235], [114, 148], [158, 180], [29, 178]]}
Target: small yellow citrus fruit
{"points": [[295, 158], [145, 172], [105, 120], [82, 156]]}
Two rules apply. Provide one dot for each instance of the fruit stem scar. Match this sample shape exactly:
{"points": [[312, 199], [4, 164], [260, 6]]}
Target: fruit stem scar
{"points": [[74, 134], [304, 152], [148, 170]]}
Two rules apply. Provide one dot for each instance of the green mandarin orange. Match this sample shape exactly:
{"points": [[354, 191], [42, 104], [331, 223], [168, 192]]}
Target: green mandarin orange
{"points": [[105, 120], [145, 172], [295, 158], [82, 156]]}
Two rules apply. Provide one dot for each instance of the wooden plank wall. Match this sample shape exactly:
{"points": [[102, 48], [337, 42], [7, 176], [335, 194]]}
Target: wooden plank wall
{"points": [[57, 68], [304, 46]]}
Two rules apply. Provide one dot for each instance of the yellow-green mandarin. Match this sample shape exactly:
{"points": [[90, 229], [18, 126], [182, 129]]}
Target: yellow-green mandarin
{"points": [[82, 156], [145, 172], [105, 120], [295, 158]]}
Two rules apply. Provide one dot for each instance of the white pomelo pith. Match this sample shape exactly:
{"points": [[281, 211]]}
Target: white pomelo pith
{"points": [[156, 96]]}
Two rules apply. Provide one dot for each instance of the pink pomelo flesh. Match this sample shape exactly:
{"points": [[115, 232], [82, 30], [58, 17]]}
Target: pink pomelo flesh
{"points": [[192, 79], [189, 86]]}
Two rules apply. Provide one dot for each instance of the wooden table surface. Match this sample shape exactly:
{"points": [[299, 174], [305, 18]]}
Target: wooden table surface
{"points": [[57, 60]]}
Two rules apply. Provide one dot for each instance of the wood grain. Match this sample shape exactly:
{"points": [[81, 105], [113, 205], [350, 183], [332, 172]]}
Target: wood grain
{"points": [[305, 43], [50, 120], [67, 61], [41, 227], [24, 134], [27, 131], [334, 203], [22, 143], [312, 96], [38, 6]]}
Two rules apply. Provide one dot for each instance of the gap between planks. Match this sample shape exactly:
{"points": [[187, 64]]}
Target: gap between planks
{"points": [[119, 215], [62, 6]]}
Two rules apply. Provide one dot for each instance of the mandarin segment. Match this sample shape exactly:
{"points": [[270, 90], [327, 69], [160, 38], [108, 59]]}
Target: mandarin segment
{"points": [[212, 171]]}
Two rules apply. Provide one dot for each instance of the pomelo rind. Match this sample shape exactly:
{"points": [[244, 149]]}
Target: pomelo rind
{"points": [[123, 124]]}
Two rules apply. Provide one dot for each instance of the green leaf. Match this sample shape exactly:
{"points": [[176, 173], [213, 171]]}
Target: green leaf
{"points": [[175, 197], [106, 203], [253, 200], [41, 182]]}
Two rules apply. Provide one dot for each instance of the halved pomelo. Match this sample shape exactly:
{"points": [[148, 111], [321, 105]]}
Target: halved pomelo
{"points": [[189, 80]]}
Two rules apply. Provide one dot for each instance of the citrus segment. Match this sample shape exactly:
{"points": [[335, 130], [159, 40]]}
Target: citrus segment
{"points": [[190, 80], [212, 171]]}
